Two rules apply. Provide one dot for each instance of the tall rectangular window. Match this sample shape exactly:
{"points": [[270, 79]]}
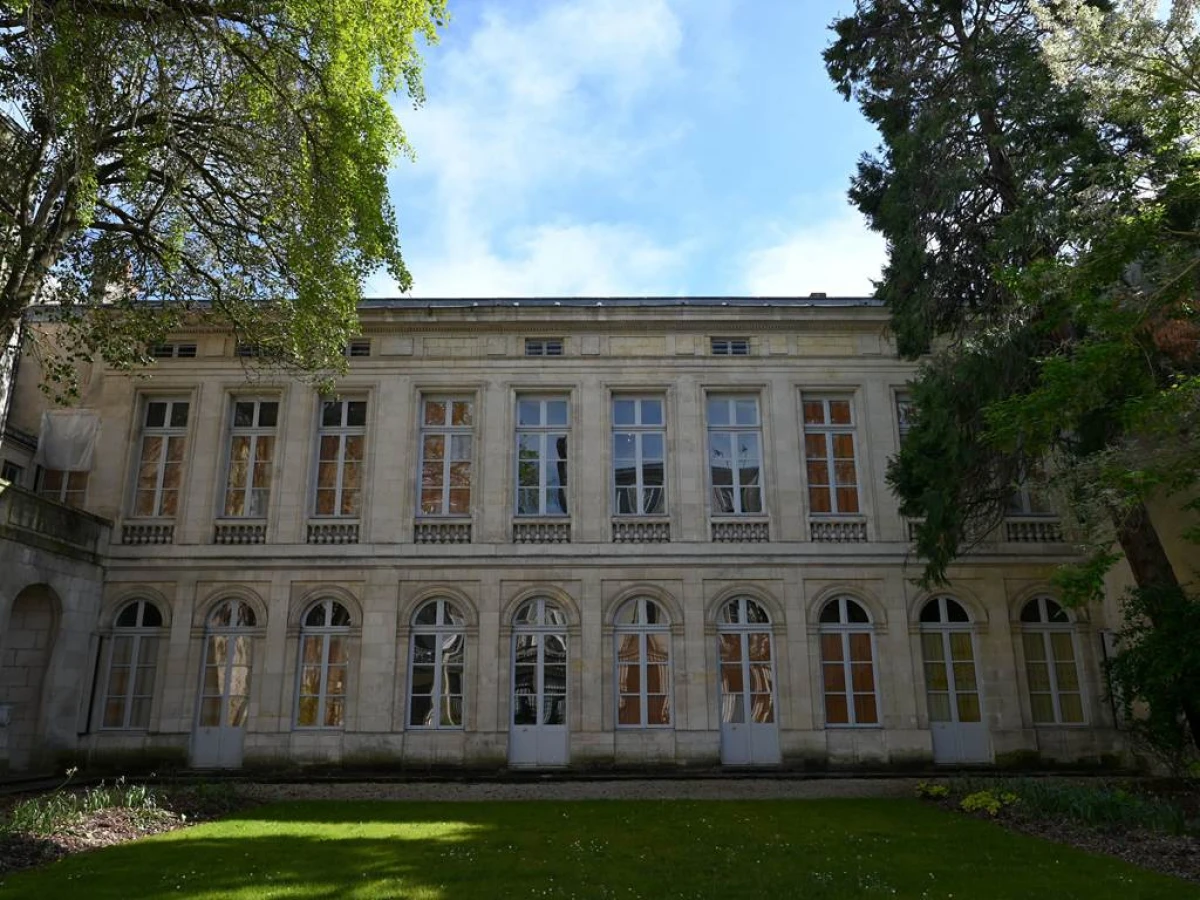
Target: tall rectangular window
{"points": [[829, 456], [904, 414], [543, 426], [735, 455], [65, 487], [160, 460], [639, 456], [446, 456], [341, 452], [251, 453]]}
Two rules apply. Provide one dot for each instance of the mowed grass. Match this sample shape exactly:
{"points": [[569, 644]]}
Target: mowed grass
{"points": [[600, 849]]}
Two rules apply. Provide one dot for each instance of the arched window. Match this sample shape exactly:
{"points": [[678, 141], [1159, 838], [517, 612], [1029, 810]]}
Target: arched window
{"points": [[747, 666], [324, 638], [948, 654], [643, 660], [435, 673], [132, 661], [228, 648], [539, 663], [848, 663], [1051, 663]]}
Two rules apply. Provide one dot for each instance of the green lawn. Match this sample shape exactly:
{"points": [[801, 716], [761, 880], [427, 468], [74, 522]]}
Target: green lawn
{"points": [[615, 849]]}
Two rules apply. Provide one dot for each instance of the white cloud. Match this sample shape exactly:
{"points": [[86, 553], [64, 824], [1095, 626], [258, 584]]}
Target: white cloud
{"points": [[522, 113], [837, 255]]}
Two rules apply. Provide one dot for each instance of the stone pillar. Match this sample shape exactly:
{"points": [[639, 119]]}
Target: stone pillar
{"points": [[294, 467]]}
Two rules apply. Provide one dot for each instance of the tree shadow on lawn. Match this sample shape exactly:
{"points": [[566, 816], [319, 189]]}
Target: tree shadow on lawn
{"points": [[656, 849]]}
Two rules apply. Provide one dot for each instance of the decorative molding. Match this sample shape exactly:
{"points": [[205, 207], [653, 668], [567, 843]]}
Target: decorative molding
{"points": [[254, 532], [148, 533], [633, 531], [1033, 530], [837, 531], [333, 532], [554, 532], [432, 531], [752, 532]]}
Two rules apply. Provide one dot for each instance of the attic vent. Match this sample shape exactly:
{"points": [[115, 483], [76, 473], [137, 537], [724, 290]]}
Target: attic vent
{"points": [[173, 351], [360, 347], [730, 346], [543, 347]]}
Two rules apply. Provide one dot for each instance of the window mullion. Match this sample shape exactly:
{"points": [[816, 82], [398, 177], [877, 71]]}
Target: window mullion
{"points": [[1052, 671], [161, 474], [446, 445]]}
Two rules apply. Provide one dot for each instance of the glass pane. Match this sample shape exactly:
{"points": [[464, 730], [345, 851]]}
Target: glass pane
{"points": [[862, 676], [629, 678], [658, 710], [356, 415], [831, 648], [745, 412], [762, 708], [1042, 708], [243, 414], [968, 707], [652, 447], [1072, 708], [623, 412], [331, 414], [556, 412], [334, 713], [718, 411], [210, 712], [451, 712], [433, 447], [931, 613], [529, 412], [961, 649], [1067, 676], [1039, 676], [461, 447], [435, 412], [179, 415], [268, 414], [658, 678], [731, 679], [462, 413], [524, 709], [819, 500], [814, 412], [239, 708], [864, 709], [759, 646], [936, 677], [839, 412], [964, 676], [834, 678], [156, 414], [1035, 647], [836, 710], [422, 680], [860, 647], [730, 647], [306, 712], [760, 678], [652, 412], [939, 708], [931, 646], [554, 710], [733, 708], [1063, 646]]}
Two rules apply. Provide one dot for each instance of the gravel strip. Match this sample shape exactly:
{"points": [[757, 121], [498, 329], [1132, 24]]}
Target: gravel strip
{"points": [[724, 789]]}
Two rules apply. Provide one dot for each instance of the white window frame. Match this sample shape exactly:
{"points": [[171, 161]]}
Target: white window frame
{"points": [[325, 633], [253, 432], [638, 431], [543, 431], [735, 464], [828, 431], [443, 628], [903, 404], [640, 631], [447, 432], [64, 493], [544, 347], [843, 629], [729, 346], [1044, 628], [341, 432], [166, 431], [137, 634]]}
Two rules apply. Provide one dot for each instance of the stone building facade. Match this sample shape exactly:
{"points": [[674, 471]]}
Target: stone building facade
{"points": [[538, 533]]}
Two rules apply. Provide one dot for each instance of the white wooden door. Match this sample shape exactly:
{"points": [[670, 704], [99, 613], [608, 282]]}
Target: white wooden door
{"points": [[538, 734], [749, 730], [224, 701], [952, 688]]}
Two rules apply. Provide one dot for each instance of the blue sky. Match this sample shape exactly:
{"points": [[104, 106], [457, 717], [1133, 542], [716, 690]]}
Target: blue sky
{"points": [[626, 147]]}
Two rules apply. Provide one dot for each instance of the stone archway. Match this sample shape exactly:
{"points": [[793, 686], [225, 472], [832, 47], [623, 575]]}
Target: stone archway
{"points": [[27, 643]]}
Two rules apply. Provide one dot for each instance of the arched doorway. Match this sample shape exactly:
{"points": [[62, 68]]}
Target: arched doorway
{"points": [[538, 730], [28, 641], [952, 683], [224, 702], [749, 726]]}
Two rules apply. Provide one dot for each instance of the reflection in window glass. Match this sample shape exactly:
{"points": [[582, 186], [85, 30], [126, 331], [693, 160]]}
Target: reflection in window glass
{"points": [[132, 663], [447, 457], [847, 663], [639, 457], [735, 456], [324, 659], [542, 456], [436, 663], [643, 665]]}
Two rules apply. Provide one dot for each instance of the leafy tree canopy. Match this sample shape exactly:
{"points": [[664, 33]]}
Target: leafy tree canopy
{"points": [[1038, 183], [223, 159]]}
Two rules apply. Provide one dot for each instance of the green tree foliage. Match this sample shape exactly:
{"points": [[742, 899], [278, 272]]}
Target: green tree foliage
{"points": [[1038, 187], [224, 159]]}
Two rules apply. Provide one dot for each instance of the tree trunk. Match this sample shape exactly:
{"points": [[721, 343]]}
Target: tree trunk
{"points": [[1152, 568]]}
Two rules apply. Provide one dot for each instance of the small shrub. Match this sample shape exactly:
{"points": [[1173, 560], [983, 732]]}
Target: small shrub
{"points": [[51, 813], [989, 802], [932, 791]]}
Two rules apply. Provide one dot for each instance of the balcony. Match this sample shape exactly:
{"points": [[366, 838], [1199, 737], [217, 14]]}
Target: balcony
{"points": [[333, 532], [740, 531], [240, 531], [542, 531], [442, 531], [834, 530], [37, 522], [1033, 530], [641, 531]]}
